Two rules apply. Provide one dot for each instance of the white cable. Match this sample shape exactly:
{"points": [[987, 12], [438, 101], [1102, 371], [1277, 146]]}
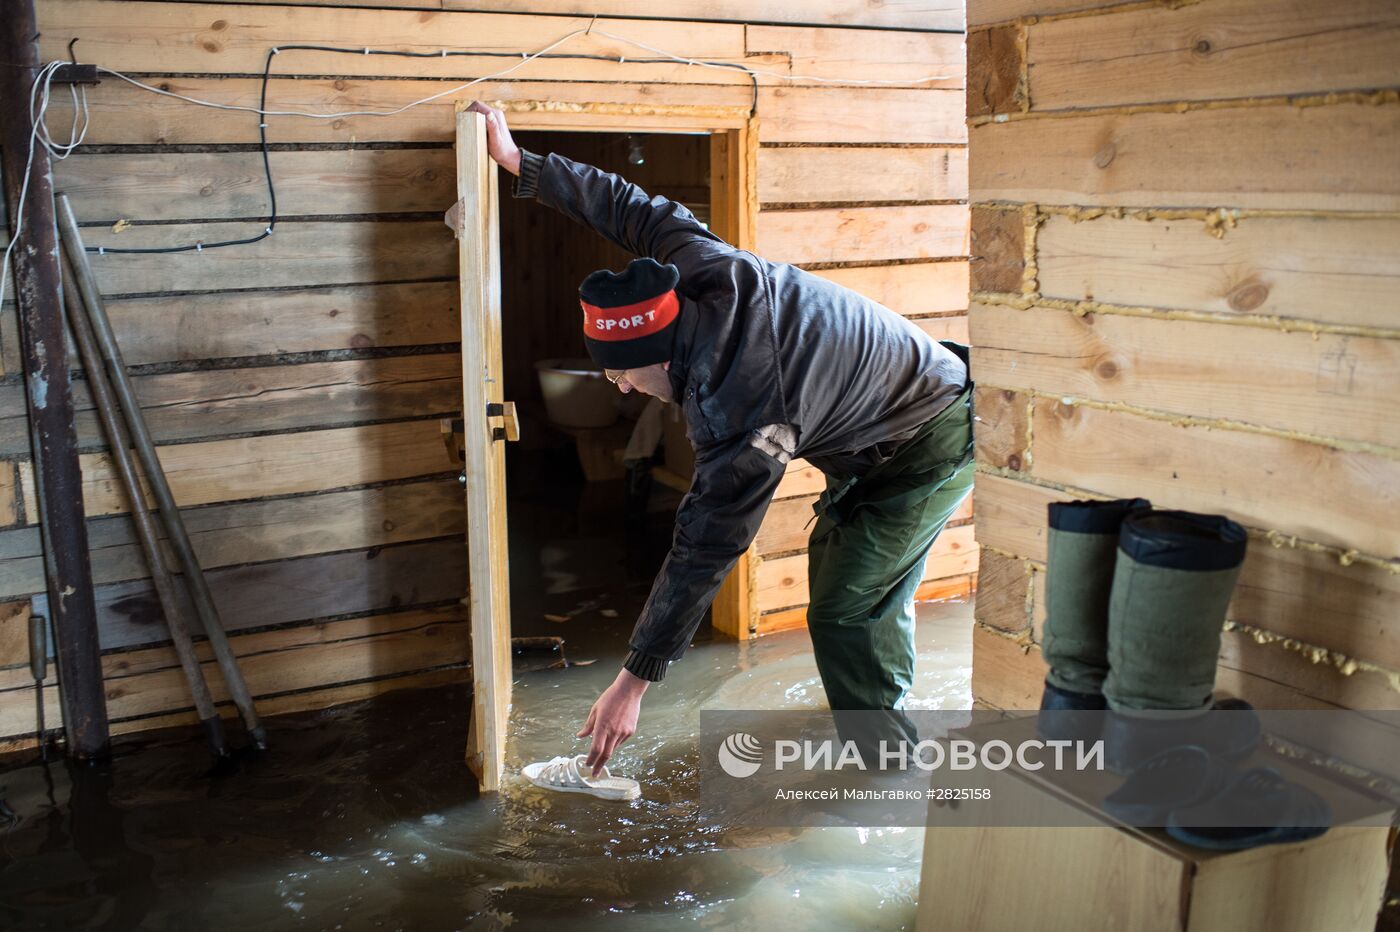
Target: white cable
{"points": [[348, 113], [525, 59], [38, 115], [39, 103], [770, 74], [44, 78]]}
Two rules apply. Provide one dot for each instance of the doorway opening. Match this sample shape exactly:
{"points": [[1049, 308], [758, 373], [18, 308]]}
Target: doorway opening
{"points": [[593, 484], [718, 158]]}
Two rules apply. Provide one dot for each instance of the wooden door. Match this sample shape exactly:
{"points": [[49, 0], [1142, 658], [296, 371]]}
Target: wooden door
{"points": [[487, 422]]}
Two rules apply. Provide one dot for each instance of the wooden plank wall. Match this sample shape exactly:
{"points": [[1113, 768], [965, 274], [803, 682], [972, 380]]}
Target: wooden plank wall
{"points": [[1186, 224], [295, 385]]}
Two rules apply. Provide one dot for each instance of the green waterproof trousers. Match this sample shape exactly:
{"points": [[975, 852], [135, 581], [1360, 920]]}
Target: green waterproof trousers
{"points": [[866, 558]]}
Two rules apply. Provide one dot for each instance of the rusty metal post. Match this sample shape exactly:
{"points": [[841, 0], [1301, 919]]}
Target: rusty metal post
{"points": [[44, 349]]}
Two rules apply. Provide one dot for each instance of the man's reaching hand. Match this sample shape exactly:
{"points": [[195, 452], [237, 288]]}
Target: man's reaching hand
{"points": [[613, 718]]}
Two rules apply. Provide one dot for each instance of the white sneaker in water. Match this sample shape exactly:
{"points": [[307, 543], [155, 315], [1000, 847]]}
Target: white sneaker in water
{"points": [[571, 775]]}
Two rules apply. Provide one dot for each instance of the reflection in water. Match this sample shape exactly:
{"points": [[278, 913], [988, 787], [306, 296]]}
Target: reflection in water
{"points": [[364, 817]]}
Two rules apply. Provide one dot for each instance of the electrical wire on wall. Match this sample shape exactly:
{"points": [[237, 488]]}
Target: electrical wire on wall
{"points": [[38, 108], [263, 112], [40, 97]]}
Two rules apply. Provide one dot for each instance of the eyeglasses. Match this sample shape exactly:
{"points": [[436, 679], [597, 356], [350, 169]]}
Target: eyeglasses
{"points": [[614, 375]]}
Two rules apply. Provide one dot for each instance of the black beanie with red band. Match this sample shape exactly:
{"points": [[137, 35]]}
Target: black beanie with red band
{"points": [[629, 317]]}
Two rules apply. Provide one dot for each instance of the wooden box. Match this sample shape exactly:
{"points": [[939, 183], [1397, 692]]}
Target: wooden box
{"points": [[1103, 875]]}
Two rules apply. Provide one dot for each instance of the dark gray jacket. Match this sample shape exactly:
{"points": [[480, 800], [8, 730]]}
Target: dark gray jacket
{"points": [[770, 363]]}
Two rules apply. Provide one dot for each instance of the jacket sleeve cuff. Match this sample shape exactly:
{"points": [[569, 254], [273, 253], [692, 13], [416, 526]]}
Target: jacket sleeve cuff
{"points": [[528, 182], [646, 666]]}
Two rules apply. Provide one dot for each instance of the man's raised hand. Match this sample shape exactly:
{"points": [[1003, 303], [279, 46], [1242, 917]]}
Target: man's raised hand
{"points": [[499, 145]]}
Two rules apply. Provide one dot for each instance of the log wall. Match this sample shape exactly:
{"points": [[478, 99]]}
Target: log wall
{"points": [[1185, 226], [295, 385]]}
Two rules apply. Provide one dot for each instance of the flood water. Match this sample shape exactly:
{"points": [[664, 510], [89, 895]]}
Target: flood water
{"points": [[365, 817]]}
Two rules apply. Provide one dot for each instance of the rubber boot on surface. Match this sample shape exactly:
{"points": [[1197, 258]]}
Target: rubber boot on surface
{"points": [[1172, 584], [1082, 548]]}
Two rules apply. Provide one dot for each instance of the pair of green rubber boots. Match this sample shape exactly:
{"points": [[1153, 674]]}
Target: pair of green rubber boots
{"points": [[1135, 606]]}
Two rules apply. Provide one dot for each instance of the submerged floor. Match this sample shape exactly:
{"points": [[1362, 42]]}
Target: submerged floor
{"points": [[365, 817]]}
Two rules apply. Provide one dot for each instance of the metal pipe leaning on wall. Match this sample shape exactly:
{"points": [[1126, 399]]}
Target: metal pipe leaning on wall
{"points": [[155, 475], [120, 449], [44, 350]]}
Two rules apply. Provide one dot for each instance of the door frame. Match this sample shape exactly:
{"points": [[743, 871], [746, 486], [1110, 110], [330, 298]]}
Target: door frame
{"points": [[733, 133]]}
